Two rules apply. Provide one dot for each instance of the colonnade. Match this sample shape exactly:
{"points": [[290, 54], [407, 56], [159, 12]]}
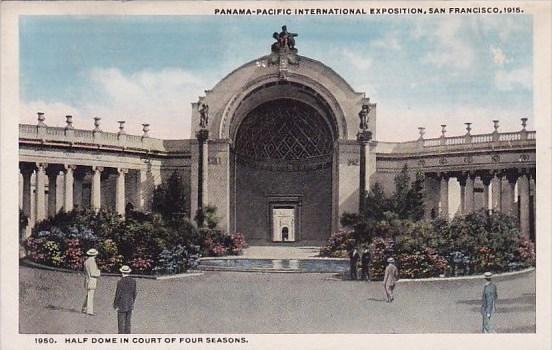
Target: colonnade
{"points": [[496, 191], [82, 186]]}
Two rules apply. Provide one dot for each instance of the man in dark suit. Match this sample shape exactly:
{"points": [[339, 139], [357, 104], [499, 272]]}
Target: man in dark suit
{"points": [[125, 295], [488, 304], [354, 261], [365, 265]]}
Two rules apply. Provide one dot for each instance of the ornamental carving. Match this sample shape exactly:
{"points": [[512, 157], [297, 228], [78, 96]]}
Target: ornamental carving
{"points": [[443, 161], [495, 158], [468, 159], [284, 130]]}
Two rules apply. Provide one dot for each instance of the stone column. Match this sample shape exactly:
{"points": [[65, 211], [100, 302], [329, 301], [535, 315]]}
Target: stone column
{"points": [[533, 189], [486, 179], [96, 199], [443, 197], [40, 188], [26, 205], [462, 181], [52, 190], [363, 138], [523, 189], [77, 188], [510, 193], [68, 180], [497, 192], [120, 192], [202, 190], [469, 198]]}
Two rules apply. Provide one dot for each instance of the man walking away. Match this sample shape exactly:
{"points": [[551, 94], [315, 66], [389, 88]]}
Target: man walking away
{"points": [[391, 276], [91, 275], [125, 295], [354, 261], [364, 263], [488, 304]]}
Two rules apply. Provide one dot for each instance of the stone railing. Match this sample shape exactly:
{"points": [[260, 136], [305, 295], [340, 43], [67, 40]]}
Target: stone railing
{"points": [[98, 139], [444, 144]]}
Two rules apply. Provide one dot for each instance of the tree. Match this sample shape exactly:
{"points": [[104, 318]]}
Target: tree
{"points": [[408, 198], [169, 199], [376, 204], [415, 198]]}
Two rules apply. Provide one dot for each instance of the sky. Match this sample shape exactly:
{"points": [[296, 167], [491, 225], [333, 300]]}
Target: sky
{"points": [[419, 70]]}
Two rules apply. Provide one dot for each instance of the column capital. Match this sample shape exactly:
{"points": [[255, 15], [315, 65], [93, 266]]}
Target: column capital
{"points": [[41, 166], [363, 137], [461, 178], [97, 168], [26, 168], [486, 177], [511, 176], [443, 176], [122, 170], [202, 135], [69, 166]]}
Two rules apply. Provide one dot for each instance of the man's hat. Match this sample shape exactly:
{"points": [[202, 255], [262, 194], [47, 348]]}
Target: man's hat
{"points": [[390, 260], [488, 275], [125, 269], [92, 252]]}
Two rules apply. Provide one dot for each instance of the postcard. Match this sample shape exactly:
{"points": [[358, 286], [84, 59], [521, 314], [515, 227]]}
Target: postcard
{"points": [[251, 175]]}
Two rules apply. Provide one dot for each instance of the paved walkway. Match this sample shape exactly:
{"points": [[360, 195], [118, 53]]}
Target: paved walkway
{"points": [[282, 252], [238, 302]]}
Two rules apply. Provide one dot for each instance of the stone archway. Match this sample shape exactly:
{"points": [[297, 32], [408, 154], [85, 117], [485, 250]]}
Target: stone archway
{"points": [[283, 151]]}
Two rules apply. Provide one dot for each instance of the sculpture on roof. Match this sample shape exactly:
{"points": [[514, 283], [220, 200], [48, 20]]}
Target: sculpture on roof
{"points": [[284, 40]]}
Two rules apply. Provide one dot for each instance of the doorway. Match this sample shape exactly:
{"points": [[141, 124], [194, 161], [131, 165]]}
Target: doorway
{"points": [[283, 224]]}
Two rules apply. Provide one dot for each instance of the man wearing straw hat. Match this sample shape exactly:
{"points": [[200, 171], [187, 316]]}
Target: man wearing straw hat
{"points": [[488, 304], [125, 295], [391, 275], [91, 275]]}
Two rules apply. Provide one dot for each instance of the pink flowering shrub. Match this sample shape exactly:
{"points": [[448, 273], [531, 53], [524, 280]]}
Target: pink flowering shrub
{"points": [[217, 243], [237, 243], [526, 252], [141, 264], [422, 264], [74, 257], [338, 245]]}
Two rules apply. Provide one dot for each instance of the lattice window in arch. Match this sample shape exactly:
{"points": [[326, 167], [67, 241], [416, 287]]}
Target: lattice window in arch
{"points": [[283, 130]]}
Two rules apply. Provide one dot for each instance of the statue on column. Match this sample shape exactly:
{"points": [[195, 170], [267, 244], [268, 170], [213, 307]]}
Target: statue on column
{"points": [[204, 116], [363, 116]]}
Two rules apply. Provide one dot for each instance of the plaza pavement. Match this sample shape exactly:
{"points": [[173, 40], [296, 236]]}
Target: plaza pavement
{"points": [[239, 302]]}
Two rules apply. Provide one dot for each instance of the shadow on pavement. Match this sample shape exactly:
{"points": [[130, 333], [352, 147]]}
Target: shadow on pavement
{"points": [[507, 310], [527, 298], [378, 300], [525, 329], [59, 308]]}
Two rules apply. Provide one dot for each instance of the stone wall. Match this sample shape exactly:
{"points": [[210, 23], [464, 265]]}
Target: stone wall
{"points": [[255, 187]]}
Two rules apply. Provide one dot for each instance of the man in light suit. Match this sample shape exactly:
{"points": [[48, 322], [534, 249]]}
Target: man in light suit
{"points": [[91, 275], [391, 275], [488, 304], [125, 295]]}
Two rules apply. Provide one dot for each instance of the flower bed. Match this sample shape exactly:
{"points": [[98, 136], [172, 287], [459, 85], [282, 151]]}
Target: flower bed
{"points": [[468, 244], [144, 242]]}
